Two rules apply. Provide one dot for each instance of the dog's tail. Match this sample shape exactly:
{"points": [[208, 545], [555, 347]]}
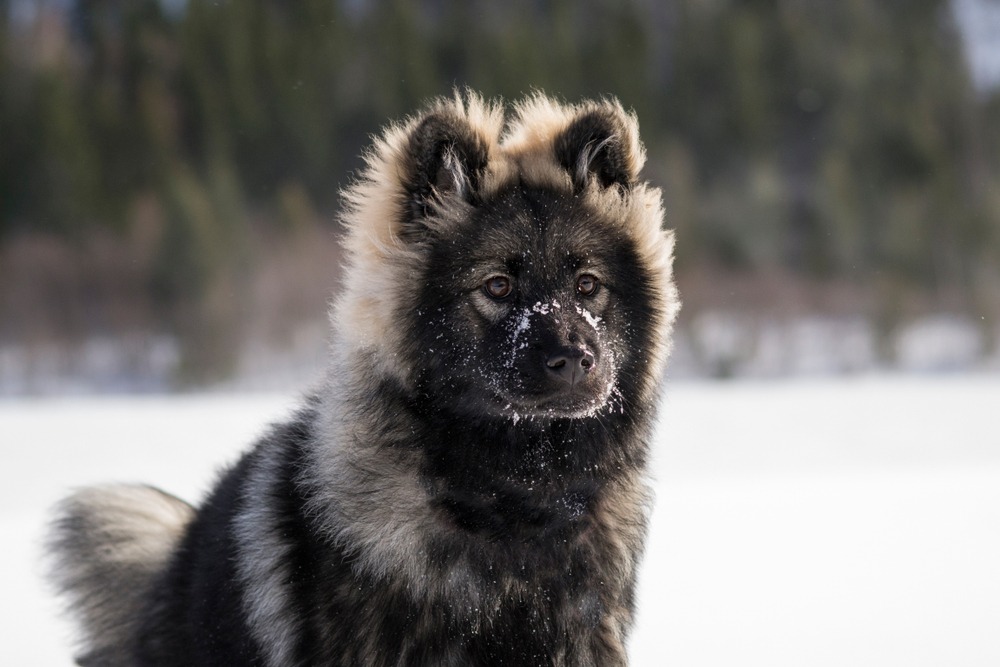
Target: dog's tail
{"points": [[107, 546]]}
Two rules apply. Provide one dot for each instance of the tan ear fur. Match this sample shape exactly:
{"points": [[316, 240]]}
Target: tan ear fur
{"points": [[375, 208]]}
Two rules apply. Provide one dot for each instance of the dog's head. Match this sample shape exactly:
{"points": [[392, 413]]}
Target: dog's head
{"points": [[523, 275]]}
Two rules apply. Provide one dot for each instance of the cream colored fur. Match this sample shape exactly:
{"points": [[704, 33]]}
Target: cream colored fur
{"points": [[109, 545]]}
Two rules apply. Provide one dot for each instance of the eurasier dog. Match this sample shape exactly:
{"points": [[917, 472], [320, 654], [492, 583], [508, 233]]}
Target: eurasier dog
{"points": [[466, 486]]}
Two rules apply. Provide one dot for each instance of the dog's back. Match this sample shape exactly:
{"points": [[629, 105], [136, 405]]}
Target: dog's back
{"points": [[109, 545]]}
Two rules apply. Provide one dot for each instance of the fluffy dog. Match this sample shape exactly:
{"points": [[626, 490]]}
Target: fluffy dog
{"points": [[466, 486]]}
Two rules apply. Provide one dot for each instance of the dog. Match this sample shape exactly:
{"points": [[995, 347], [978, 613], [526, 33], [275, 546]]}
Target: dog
{"points": [[466, 485]]}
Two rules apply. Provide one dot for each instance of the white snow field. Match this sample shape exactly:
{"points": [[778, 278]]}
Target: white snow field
{"points": [[809, 523]]}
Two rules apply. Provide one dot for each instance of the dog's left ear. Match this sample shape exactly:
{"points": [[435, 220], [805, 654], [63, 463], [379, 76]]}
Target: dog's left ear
{"points": [[601, 144], [446, 158]]}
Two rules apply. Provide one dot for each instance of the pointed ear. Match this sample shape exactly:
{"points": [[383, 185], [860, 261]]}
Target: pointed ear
{"points": [[446, 158], [601, 144]]}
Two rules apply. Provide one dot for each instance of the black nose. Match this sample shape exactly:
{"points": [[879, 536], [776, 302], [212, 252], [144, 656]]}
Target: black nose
{"points": [[570, 364]]}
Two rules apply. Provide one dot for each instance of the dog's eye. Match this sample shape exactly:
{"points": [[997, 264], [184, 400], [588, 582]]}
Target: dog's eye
{"points": [[498, 287], [587, 284]]}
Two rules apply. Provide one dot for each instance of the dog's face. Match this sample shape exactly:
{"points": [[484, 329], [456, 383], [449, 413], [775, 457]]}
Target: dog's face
{"points": [[530, 308], [510, 269]]}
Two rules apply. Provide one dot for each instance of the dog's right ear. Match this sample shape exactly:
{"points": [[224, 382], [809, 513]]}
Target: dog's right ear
{"points": [[445, 158]]}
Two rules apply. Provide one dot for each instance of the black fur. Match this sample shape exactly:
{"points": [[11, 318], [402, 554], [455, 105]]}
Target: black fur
{"points": [[535, 535]]}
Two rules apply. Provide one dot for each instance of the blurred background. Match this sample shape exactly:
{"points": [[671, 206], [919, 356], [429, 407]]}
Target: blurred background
{"points": [[169, 173], [169, 179]]}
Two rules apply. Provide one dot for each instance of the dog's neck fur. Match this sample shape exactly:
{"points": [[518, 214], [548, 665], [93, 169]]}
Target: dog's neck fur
{"points": [[552, 476]]}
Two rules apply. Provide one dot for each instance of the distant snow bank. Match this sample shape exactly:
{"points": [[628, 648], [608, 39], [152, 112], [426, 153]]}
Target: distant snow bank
{"points": [[848, 522], [710, 344], [728, 344]]}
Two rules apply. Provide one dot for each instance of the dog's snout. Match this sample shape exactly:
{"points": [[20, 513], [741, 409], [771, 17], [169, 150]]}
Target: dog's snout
{"points": [[570, 364]]}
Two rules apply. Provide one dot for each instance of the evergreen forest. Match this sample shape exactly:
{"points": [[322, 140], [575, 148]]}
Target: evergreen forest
{"points": [[169, 170]]}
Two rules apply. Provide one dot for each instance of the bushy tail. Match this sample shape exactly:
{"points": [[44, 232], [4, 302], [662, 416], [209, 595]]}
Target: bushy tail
{"points": [[108, 545]]}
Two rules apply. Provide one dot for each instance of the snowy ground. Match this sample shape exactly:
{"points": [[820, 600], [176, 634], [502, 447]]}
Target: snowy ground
{"points": [[852, 522]]}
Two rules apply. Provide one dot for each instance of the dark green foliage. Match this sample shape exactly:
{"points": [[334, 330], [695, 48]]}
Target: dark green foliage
{"points": [[831, 140]]}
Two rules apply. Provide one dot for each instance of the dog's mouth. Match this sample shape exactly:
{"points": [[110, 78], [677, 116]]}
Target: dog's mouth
{"points": [[584, 400], [570, 382]]}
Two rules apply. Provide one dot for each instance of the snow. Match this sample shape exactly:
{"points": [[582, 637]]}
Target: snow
{"points": [[726, 343], [979, 23], [834, 522]]}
